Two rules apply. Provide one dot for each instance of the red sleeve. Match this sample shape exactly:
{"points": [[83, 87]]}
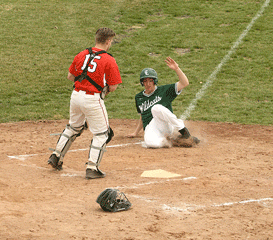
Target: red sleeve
{"points": [[112, 74], [73, 67]]}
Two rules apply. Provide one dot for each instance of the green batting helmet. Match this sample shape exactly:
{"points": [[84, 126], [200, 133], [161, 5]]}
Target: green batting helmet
{"points": [[148, 73]]}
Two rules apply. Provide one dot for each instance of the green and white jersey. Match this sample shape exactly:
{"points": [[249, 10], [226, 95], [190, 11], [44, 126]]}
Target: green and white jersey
{"points": [[163, 95]]}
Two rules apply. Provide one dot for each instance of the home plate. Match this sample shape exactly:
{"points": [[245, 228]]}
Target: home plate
{"points": [[159, 174]]}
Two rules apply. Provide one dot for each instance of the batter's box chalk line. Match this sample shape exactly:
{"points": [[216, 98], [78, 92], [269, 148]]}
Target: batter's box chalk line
{"points": [[23, 157], [189, 208], [192, 207]]}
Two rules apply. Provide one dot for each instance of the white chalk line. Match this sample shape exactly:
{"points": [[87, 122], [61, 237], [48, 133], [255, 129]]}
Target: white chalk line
{"points": [[212, 77], [188, 208], [191, 207], [23, 157], [34, 166], [71, 173]]}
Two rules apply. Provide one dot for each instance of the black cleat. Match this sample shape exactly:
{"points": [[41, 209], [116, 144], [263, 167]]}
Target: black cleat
{"points": [[92, 173], [54, 162]]}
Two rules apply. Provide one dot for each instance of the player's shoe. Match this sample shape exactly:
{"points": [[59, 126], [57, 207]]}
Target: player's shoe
{"points": [[195, 140], [181, 141], [54, 162], [92, 173]]}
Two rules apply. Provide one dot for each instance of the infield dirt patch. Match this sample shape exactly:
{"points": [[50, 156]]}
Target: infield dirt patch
{"points": [[224, 191]]}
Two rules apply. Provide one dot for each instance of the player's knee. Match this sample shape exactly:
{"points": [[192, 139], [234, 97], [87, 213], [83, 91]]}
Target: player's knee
{"points": [[67, 137], [77, 131], [104, 137], [99, 139], [156, 108]]}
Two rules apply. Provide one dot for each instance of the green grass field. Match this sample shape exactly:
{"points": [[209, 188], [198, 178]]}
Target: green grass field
{"points": [[39, 40]]}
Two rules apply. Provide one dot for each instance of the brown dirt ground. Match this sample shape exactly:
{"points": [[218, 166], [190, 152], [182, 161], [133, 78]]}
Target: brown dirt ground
{"points": [[225, 190]]}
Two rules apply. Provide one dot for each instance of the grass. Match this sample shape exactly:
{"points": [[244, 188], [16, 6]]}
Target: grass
{"points": [[39, 40]]}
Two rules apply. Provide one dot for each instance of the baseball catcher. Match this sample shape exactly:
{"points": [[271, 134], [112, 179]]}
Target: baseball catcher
{"points": [[95, 73], [161, 126]]}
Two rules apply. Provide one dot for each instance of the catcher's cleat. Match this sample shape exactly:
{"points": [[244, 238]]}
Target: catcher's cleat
{"points": [[54, 162], [92, 174], [180, 141]]}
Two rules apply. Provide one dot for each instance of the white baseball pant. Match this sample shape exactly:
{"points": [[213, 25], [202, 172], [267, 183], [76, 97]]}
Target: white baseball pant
{"points": [[163, 125]]}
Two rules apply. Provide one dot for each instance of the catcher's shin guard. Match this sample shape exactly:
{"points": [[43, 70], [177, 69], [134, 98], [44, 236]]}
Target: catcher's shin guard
{"points": [[97, 148], [66, 138]]}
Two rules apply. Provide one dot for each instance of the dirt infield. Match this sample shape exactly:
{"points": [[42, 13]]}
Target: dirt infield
{"points": [[224, 191]]}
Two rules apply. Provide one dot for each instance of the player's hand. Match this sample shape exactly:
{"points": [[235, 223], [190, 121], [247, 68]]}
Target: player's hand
{"points": [[171, 63]]}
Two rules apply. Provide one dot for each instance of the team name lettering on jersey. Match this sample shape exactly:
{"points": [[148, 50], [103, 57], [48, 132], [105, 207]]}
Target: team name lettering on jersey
{"points": [[147, 104]]}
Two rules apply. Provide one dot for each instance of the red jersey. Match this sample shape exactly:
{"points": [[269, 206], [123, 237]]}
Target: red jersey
{"points": [[102, 69]]}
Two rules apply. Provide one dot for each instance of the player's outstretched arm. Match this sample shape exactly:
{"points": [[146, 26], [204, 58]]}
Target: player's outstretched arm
{"points": [[183, 80], [138, 129]]}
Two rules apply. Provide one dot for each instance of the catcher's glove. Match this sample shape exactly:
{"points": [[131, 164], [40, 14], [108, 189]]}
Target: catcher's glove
{"points": [[112, 200], [104, 92]]}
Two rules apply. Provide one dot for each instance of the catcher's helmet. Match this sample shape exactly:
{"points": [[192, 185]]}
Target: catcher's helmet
{"points": [[112, 200], [148, 73]]}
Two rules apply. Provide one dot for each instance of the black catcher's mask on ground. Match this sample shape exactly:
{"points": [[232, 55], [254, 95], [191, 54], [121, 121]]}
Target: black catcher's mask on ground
{"points": [[112, 200]]}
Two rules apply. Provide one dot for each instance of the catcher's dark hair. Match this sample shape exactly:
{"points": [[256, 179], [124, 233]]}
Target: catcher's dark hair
{"points": [[103, 34]]}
